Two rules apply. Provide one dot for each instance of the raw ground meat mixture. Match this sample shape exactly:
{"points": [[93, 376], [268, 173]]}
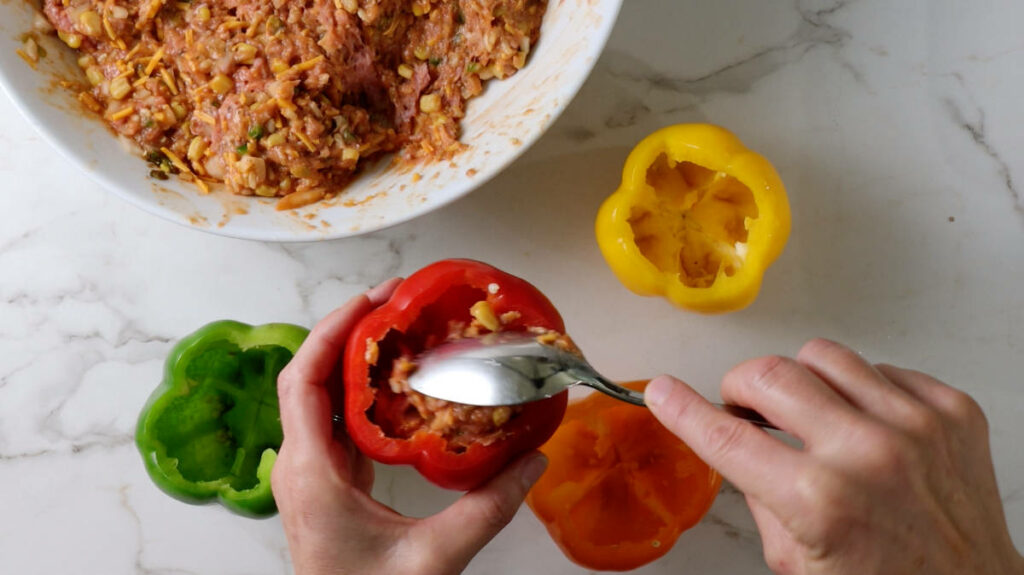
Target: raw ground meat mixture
{"points": [[460, 425], [286, 98]]}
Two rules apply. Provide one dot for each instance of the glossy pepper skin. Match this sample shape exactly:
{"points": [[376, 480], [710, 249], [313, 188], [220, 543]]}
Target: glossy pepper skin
{"points": [[620, 488], [211, 429], [697, 219], [416, 317]]}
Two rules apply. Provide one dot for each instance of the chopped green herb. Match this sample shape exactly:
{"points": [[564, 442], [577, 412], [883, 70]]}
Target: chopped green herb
{"points": [[348, 136], [158, 175], [243, 149], [168, 168], [435, 62], [256, 131], [472, 68]]}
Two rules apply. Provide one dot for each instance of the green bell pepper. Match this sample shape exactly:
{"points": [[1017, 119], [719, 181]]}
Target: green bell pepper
{"points": [[212, 429]]}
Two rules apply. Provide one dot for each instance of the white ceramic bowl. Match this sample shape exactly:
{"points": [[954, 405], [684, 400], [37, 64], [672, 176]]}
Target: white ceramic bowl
{"points": [[499, 126]]}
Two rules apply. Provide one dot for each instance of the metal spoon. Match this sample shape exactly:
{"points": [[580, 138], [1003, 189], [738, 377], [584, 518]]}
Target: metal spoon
{"points": [[514, 368]]}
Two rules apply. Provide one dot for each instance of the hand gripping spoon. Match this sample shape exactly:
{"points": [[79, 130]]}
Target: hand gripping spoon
{"points": [[516, 368]]}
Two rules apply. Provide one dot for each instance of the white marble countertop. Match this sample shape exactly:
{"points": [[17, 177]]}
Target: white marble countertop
{"points": [[895, 125]]}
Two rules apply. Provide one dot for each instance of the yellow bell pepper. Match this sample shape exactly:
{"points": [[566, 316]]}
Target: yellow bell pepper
{"points": [[697, 219]]}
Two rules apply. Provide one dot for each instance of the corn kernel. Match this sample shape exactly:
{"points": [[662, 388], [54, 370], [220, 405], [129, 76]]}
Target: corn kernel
{"points": [[29, 50], [350, 6], [274, 25], [348, 154], [221, 84], [430, 103], [72, 40], [484, 315], [95, 75], [501, 415], [196, 148], [405, 71], [265, 191], [277, 66], [85, 60], [245, 53], [372, 353], [119, 88], [276, 139], [179, 110], [421, 52], [203, 13], [90, 23]]}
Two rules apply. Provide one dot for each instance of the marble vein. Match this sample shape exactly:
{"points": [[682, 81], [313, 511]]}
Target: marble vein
{"points": [[739, 76], [972, 122], [111, 442], [381, 258], [140, 548]]}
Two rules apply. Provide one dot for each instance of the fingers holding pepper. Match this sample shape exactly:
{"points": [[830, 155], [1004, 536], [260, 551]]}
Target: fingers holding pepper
{"points": [[306, 412]]}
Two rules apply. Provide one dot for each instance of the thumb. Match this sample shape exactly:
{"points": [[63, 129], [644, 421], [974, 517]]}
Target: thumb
{"points": [[748, 457], [460, 531]]}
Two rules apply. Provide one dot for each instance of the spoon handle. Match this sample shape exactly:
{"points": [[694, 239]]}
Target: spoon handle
{"points": [[746, 415], [598, 382]]}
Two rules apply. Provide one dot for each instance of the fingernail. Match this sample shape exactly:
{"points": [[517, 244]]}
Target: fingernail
{"points": [[533, 469], [657, 390]]}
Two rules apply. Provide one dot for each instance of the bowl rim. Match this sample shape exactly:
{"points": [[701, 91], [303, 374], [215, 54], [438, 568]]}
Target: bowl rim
{"points": [[49, 129]]}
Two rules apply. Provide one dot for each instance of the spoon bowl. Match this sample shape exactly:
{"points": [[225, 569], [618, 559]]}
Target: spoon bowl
{"points": [[516, 368]]}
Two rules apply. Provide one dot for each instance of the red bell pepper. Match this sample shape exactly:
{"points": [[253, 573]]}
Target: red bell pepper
{"points": [[418, 316]]}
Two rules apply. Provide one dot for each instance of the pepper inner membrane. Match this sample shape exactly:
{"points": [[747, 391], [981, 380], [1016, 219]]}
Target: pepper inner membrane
{"points": [[220, 429], [695, 221], [401, 412]]}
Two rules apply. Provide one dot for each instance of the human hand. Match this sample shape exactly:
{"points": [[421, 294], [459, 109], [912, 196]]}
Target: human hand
{"points": [[322, 482], [895, 474]]}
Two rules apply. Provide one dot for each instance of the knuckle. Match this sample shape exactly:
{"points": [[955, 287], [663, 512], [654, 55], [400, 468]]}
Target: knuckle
{"points": [[818, 489], [822, 498], [817, 347], [278, 476], [759, 376], [675, 413], [283, 482], [964, 410], [777, 559], [294, 476], [885, 452], [287, 380], [414, 555], [768, 376], [723, 438], [495, 513], [923, 423]]}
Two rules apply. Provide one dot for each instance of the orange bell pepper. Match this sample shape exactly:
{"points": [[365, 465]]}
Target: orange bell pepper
{"points": [[698, 219], [620, 488]]}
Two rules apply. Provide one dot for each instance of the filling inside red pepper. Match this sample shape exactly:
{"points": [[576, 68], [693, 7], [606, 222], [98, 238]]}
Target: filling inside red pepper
{"points": [[401, 412]]}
